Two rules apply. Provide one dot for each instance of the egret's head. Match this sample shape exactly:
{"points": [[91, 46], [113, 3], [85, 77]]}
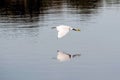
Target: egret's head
{"points": [[76, 29]]}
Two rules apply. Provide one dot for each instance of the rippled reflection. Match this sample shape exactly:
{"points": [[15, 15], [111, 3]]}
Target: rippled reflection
{"points": [[85, 6], [30, 11], [63, 56], [44, 13], [112, 1]]}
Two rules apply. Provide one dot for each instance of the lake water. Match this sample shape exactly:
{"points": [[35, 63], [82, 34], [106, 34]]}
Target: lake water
{"points": [[28, 45]]}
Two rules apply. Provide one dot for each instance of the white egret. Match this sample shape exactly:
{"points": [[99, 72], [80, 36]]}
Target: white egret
{"points": [[62, 56], [63, 30]]}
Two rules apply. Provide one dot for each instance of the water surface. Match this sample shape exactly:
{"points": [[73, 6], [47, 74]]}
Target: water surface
{"points": [[28, 45]]}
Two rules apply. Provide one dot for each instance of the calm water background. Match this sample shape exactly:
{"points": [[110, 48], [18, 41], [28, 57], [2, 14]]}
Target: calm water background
{"points": [[28, 44]]}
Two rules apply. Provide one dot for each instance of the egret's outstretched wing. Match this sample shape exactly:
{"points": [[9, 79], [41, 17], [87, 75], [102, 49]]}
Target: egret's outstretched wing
{"points": [[62, 32]]}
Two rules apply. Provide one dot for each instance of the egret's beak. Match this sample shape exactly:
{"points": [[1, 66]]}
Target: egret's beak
{"points": [[76, 29]]}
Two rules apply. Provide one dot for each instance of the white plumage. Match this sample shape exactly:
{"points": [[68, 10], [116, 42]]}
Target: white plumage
{"points": [[63, 30], [62, 56]]}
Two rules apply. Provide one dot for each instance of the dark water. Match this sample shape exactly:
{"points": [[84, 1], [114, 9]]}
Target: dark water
{"points": [[28, 45]]}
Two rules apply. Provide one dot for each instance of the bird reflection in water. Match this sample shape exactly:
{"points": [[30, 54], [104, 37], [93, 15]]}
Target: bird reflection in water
{"points": [[63, 56]]}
